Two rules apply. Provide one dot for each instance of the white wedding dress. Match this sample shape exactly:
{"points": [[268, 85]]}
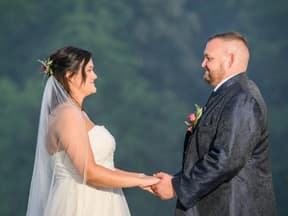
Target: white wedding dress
{"points": [[73, 198]]}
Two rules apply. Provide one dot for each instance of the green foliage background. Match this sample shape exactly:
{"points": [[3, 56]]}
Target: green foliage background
{"points": [[147, 55]]}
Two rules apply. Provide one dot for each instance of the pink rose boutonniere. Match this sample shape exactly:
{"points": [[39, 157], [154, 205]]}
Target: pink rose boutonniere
{"points": [[193, 118]]}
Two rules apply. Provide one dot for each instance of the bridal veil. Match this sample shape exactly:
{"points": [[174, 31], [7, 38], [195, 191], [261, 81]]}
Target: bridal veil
{"points": [[43, 177]]}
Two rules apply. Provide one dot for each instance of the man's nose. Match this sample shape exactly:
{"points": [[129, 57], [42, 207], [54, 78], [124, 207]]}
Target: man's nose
{"points": [[203, 64]]}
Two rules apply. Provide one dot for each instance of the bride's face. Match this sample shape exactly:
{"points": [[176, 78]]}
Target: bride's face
{"points": [[87, 86]]}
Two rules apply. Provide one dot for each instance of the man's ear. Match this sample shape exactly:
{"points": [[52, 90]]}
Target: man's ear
{"points": [[230, 60]]}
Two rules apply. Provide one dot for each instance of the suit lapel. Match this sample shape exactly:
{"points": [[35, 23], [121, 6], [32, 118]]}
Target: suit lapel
{"points": [[186, 144]]}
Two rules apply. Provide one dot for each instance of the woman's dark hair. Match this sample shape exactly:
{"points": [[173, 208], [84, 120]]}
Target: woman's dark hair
{"points": [[69, 59]]}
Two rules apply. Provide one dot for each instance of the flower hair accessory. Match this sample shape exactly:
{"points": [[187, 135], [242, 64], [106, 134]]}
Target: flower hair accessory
{"points": [[193, 118], [46, 66]]}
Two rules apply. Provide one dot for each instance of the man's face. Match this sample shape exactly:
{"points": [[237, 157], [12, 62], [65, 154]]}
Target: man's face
{"points": [[214, 62]]}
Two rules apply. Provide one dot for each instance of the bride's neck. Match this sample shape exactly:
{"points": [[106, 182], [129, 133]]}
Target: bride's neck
{"points": [[77, 100]]}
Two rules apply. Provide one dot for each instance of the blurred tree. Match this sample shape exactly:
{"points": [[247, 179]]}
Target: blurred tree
{"points": [[165, 36], [18, 114], [147, 56]]}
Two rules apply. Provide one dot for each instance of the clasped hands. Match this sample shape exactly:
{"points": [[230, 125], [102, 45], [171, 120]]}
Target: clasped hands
{"points": [[163, 188]]}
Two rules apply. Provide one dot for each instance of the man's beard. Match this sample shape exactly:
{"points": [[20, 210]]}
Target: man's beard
{"points": [[206, 76]]}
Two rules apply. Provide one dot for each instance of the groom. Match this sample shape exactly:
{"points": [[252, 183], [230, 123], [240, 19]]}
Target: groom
{"points": [[226, 168]]}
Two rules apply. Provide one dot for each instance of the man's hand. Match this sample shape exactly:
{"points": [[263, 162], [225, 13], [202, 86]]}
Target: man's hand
{"points": [[149, 189], [164, 188]]}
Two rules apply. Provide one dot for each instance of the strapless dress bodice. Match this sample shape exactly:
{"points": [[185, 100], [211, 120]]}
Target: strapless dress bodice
{"points": [[103, 148]]}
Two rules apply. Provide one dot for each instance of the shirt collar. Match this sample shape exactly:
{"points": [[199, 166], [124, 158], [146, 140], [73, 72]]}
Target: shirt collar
{"points": [[222, 82]]}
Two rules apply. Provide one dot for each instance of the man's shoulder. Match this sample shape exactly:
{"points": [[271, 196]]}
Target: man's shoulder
{"points": [[245, 87], [246, 95]]}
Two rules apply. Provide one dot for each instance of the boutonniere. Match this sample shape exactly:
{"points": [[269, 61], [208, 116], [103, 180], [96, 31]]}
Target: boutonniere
{"points": [[193, 118]]}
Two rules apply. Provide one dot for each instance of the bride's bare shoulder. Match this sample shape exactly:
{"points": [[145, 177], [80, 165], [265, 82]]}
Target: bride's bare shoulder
{"points": [[67, 110]]}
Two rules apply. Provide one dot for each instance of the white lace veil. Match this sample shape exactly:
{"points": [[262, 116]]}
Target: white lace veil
{"points": [[43, 172]]}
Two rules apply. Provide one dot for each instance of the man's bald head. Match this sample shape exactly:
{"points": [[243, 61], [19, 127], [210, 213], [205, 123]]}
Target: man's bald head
{"points": [[230, 36]]}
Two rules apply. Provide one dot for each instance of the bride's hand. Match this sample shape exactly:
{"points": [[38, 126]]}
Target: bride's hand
{"points": [[147, 181]]}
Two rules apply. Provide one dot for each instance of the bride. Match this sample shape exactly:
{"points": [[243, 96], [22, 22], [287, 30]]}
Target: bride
{"points": [[74, 172]]}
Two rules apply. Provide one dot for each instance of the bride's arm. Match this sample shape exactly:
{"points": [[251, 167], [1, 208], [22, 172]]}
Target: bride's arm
{"points": [[101, 176], [74, 139], [129, 173]]}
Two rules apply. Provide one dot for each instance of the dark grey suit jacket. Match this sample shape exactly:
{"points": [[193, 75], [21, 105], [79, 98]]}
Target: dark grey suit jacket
{"points": [[226, 162]]}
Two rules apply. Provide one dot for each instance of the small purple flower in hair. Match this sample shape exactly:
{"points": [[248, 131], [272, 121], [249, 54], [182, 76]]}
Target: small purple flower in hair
{"points": [[46, 66]]}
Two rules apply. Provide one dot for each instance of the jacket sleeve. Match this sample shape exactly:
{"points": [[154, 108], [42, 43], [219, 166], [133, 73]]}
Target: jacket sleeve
{"points": [[237, 131]]}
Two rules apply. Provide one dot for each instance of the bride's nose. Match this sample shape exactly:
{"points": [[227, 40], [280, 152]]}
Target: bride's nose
{"points": [[94, 75]]}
